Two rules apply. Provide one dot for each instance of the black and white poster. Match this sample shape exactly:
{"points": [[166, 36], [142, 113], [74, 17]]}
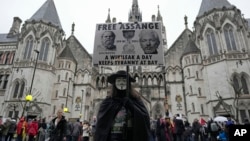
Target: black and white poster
{"points": [[128, 44]]}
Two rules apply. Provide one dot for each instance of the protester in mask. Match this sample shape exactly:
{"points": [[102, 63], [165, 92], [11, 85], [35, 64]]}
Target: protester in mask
{"points": [[122, 115]]}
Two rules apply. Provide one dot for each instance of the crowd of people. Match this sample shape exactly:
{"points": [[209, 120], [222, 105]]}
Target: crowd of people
{"points": [[122, 116], [58, 129], [179, 129]]}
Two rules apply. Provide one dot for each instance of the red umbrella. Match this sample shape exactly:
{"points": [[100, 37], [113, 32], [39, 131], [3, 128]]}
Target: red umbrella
{"points": [[202, 121]]}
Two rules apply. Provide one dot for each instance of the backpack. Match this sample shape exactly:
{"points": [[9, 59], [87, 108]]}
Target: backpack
{"points": [[214, 127]]}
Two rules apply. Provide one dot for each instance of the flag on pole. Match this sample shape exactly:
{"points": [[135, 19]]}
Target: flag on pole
{"points": [[202, 121]]}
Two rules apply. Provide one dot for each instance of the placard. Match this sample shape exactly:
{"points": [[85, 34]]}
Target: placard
{"points": [[128, 44]]}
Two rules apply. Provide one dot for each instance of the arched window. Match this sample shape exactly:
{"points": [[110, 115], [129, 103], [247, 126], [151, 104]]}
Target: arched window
{"points": [[211, 42], [62, 106], [1, 80], [229, 37], [199, 91], [21, 90], [56, 95], [197, 60], [28, 48], [54, 109], [66, 76], [197, 74], [1, 58], [236, 82], [16, 90], [202, 109], [64, 92], [193, 107], [58, 78], [7, 59], [244, 85], [5, 81], [44, 49]]}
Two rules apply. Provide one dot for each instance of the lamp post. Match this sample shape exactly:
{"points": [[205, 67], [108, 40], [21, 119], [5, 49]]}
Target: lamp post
{"points": [[28, 96], [81, 105], [65, 109], [34, 70]]}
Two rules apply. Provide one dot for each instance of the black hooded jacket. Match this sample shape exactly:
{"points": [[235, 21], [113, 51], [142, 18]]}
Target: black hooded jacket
{"points": [[57, 133], [107, 113]]}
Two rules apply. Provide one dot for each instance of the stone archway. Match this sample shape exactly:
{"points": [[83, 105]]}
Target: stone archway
{"points": [[223, 109], [34, 111]]}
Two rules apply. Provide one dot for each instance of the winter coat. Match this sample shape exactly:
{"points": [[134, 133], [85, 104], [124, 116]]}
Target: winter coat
{"points": [[108, 111], [69, 128], [196, 128], [42, 131], [222, 136], [76, 129], [86, 130], [33, 128], [21, 126], [6, 126], [12, 128], [179, 125], [57, 133]]}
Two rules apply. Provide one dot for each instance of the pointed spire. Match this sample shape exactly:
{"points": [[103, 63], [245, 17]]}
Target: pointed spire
{"points": [[207, 5], [108, 18], [47, 13], [135, 15], [186, 22], [67, 54], [190, 48], [73, 29], [159, 17], [135, 2]]}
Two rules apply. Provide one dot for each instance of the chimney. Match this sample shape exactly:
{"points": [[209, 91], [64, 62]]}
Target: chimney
{"points": [[114, 20], [153, 18], [14, 30]]}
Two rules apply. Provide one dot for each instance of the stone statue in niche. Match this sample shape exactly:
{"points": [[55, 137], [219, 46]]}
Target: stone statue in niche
{"points": [[217, 20], [38, 31], [78, 102]]}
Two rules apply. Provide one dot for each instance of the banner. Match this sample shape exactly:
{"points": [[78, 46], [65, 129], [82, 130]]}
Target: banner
{"points": [[128, 44]]}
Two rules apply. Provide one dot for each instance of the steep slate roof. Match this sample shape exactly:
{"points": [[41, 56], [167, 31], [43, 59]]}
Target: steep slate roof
{"points": [[66, 53], [3, 38], [191, 48], [47, 13], [207, 5]]}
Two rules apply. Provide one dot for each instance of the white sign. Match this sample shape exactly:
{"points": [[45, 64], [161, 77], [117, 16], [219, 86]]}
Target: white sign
{"points": [[128, 44]]}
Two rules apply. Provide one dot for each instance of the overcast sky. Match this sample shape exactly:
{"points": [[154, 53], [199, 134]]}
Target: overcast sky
{"points": [[87, 13]]}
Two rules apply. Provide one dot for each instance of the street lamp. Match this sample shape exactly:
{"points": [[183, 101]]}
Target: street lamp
{"points": [[34, 70], [28, 96], [65, 109]]}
